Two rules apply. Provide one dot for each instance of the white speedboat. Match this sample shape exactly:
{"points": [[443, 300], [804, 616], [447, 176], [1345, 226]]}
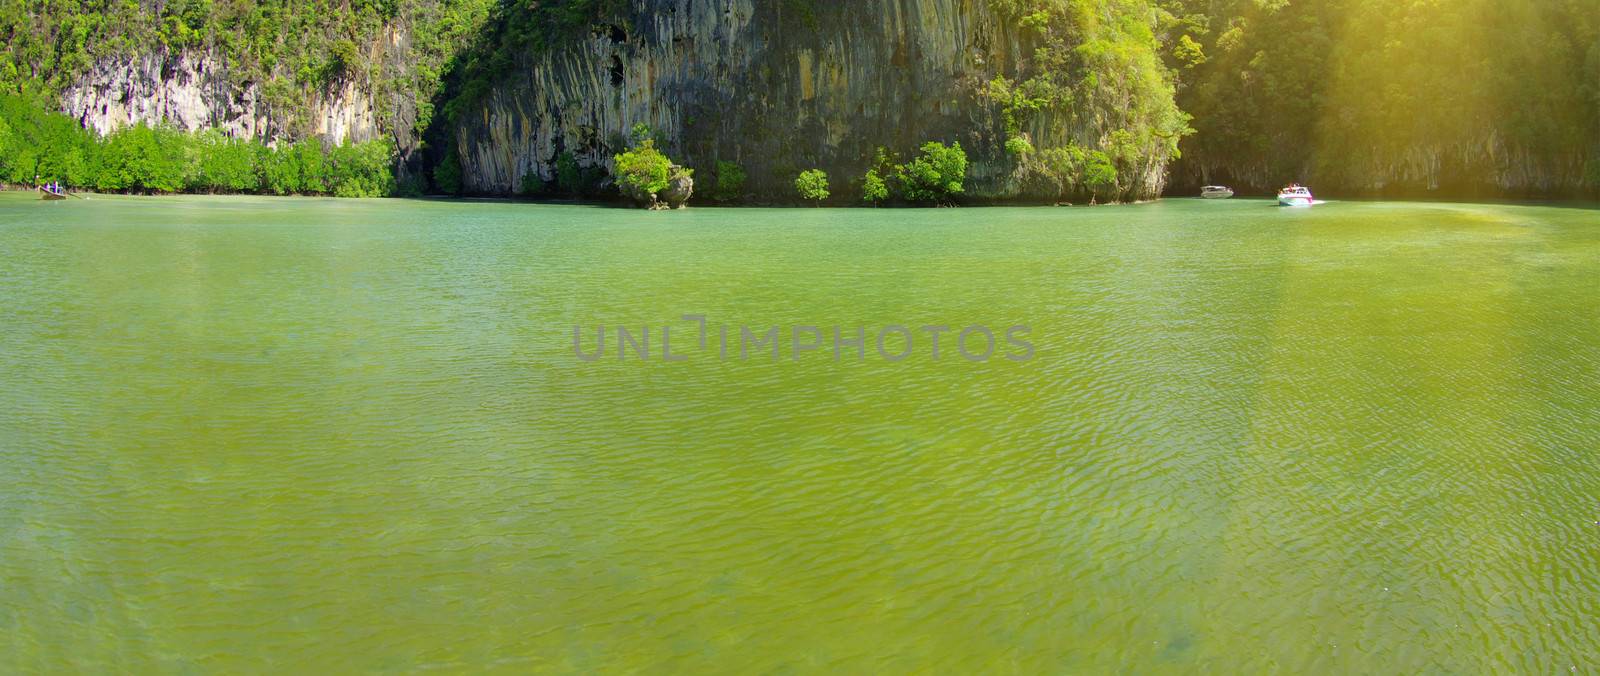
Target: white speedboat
{"points": [[1216, 192], [1296, 196]]}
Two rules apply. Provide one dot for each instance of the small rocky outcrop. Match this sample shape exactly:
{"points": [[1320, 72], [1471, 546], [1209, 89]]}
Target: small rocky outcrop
{"points": [[636, 194], [679, 188]]}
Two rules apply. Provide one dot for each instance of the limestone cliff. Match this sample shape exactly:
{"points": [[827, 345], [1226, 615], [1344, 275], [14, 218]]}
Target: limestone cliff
{"points": [[194, 91], [777, 86]]}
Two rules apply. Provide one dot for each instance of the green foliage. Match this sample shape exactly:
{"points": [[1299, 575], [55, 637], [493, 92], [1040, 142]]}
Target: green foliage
{"points": [[291, 47], [1080, 171], [730, 181], [1397, 91], [361, 169], [642, 172], [532, 185], [280, 174], [812, 184], [568, 178], [346, 57], [936, 175], [37, 143], [802, 11], [1188, 52], [227, 164], [574, 180], [872, 187], [161, 159], [510, 29], [311, 158], [642, 132], [1343, 88], [1099, 174], [1017, 102], [1095, 77], [447, 173], [8, 147], [144, 159]]}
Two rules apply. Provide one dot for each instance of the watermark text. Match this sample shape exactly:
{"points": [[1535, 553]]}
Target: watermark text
{"points": [[698, 338]]}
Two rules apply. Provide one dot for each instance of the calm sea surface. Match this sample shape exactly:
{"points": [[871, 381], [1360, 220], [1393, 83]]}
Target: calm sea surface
{"points": [[242, 434]]}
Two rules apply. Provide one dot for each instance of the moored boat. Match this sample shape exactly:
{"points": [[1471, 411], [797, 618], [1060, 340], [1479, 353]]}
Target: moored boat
{"points": [[1295, 196], [1216, 192]]}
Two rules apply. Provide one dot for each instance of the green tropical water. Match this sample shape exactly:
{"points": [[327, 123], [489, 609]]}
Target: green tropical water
{"points": [[244, 434]]}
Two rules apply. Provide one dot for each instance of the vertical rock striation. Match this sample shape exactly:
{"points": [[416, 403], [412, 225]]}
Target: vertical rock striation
{"points": [[777, 86], [192, 91]]}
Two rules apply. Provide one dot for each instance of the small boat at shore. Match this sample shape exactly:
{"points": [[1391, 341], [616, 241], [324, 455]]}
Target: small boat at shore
{"points": [[1296, 196], [1216, 192]]}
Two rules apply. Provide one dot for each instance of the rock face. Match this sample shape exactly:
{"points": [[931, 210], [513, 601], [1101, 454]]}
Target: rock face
{"points": [[194, 92], [777, 86], [187, 92], [679, 188], [1487, 168]]}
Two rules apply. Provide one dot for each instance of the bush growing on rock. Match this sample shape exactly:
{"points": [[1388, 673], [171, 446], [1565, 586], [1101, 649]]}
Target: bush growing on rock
{"points": [[1079, 171], [642, 172], [647, 177]]}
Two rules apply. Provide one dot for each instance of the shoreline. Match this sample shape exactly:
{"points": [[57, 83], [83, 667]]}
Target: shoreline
{"points": [[1575, 203]]}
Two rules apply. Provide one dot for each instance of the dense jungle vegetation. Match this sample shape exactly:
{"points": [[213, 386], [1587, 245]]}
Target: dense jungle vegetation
{"points": [[1398, 96], [292, 48], [36, 145], [1421, 94], [1095, 71]]}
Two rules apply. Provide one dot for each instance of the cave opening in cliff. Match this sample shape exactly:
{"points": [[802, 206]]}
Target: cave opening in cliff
{"points": [[616, 71]]}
